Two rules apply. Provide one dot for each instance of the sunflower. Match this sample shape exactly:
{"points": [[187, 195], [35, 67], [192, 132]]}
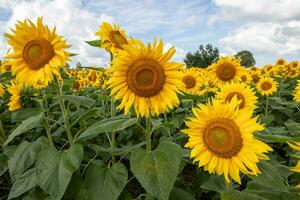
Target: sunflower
{"points": [[15, 89], [2, 90], [227, 69], [192, 81], [113, 38], [296, 146], [5, 66], [38, 53], [143, 77], [297, 92], [267, 86], [221, 139], [281, 61], [245, 95]]}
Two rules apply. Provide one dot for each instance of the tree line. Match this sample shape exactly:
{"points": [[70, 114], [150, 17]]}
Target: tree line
{"points": [[206, 55]]}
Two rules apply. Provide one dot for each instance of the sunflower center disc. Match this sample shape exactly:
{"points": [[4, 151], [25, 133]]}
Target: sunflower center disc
{"points": [[226, 71], [266, 86], [223, 137], [255, 78], [145, 78], [189, 81], [118, 39], [37, 53], [239, 96]]}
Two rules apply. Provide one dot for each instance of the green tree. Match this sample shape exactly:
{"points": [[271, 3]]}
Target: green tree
{"points": [[246, 57], [203, 57]]}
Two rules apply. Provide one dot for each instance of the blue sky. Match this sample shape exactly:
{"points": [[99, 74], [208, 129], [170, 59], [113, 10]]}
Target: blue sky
{"points": [[268, 28]]}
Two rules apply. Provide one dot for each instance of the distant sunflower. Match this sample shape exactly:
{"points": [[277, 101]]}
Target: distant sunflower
{"points": [[2, 90], [221, 139], [296, 146], [227, 69], [15, 90], [297, 92], [143, 77], [38, 53], [5, 66], [267, 86], [281, 61], [113, 38], [245, 95], [192, 81]]}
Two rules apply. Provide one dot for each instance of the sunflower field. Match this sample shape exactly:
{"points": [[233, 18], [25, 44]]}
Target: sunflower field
{"points": [[145, 127]]}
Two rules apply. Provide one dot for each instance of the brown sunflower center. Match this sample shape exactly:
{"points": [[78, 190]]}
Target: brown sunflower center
{"points": [[280, 62], [266, 86], [223, 137], [244, 78], [145, 77], [189, 81], [226, 71], [239, 96], [93, 76], [255, 78], [37, 53], [7, 67], [117, 38]]}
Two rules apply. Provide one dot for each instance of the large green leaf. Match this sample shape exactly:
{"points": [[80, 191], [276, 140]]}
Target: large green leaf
{"points": [[231, 194], [80, 100], [106, 125], [270, 184], [215, 183], [24, 156], [105, 183], [76, 189], [25, 126], [55, 169], [157, 170], [3, 163], [180, 194], [24, 183], [294, 127]]}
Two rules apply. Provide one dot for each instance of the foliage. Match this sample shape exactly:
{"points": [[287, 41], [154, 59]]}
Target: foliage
{"points": [[246, 57], [202, 58]]}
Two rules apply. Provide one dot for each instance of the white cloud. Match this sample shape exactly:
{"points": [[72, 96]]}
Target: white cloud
{"points": [[268, 28], [74, 22], [257, 10]]}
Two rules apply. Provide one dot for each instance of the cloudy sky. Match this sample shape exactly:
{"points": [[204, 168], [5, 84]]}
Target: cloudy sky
{"points": [[268, 28]]}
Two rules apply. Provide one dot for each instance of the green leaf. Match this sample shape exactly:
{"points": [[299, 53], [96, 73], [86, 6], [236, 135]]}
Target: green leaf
{"points": [[215, 183], [25, 126], [76, 189], [23, 114], [24, 183], [24, 156], [180, 194], [157, 170], [231, 194], [55, 169], [94, 43], [294, 127], [89, 113], [270, 184], [3, 164], [105, 183], [118, 151], [106, 125], [80, 100]]}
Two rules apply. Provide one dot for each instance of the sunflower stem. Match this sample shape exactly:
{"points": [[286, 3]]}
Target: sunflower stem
{"points": [[267, 105], [46, 121], [113, 134], [64, 112], [148, 134]]}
